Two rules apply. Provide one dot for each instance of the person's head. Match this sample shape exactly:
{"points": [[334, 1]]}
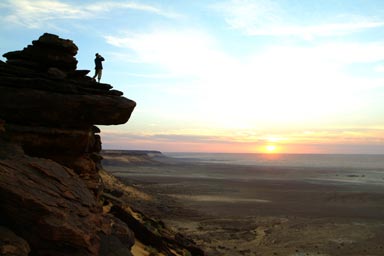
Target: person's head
{"points": [[97, 54]]}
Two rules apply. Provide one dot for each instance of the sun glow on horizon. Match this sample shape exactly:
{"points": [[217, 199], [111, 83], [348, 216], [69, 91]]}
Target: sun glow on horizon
{"points": [[270, 148]]}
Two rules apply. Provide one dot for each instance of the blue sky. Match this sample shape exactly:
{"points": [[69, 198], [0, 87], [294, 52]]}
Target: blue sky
{"points": [[227, 76]]}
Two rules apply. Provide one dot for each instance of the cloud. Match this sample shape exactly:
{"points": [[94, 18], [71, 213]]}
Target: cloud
{"points": [[185, 51], [268, 18], [34, 14], [170, 137], [347, 140], [282, 84], [44, 13], [174, 142], [196, 53], [354, 135], [308, 32], [248, 15], [103, 7]]}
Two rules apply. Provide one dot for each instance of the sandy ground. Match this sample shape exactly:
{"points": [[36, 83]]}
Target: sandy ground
{"points": [[244, 210]]}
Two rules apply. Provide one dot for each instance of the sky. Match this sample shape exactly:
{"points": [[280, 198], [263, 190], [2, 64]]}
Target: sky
{"points": [[257, 76]]}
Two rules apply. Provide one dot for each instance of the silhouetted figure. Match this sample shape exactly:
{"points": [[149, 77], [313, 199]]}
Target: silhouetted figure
{"points": [[98, 67]]}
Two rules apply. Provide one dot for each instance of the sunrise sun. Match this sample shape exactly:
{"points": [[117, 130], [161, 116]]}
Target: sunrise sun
{"points": [[270, 148]]}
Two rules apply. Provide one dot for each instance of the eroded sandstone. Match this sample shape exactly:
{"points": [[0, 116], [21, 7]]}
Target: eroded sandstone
{"points": [[49, 152]]}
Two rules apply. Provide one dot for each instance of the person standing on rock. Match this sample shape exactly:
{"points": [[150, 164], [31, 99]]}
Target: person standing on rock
{"points": [[98, 67]]}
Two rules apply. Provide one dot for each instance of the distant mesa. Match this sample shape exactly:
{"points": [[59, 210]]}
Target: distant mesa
{"points": [[123, 157], [133, 152]]}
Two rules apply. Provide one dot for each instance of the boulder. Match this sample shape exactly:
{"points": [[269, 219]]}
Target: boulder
{"points": [[49, 51]]}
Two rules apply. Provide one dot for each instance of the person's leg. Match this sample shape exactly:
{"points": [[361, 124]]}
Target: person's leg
{"points": [[99, 74], [95, 74]]}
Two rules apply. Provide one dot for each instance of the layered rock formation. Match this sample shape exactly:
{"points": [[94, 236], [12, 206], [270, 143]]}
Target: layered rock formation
{"points": [[53, 116], [50, 186], [49, 154]]}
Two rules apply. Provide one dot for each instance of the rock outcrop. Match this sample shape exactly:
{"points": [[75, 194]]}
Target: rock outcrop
{"points": [[49, 153], [53, 116], [50, 206], [52, 197]]}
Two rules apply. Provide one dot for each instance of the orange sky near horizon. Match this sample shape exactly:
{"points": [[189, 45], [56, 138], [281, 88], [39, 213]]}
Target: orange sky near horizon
{"points": [[272, 145]]}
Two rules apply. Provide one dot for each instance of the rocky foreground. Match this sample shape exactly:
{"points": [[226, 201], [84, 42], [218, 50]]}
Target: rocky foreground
{"points": [[55, 198]]}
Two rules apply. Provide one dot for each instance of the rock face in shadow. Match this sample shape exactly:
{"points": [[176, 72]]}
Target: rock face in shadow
{"points": [[11, 244], [42, 200], [50, 108], [49, 153]]}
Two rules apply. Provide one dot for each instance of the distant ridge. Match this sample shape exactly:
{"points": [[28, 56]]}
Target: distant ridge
{"points": [[130, 152], [123, 157]]}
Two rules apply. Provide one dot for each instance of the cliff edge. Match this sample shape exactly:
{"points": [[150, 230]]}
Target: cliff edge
{"points": [[52, 196]]}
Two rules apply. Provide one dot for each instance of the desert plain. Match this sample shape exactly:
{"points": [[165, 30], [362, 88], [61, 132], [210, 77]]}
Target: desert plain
{"points": [[240, 210]]}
